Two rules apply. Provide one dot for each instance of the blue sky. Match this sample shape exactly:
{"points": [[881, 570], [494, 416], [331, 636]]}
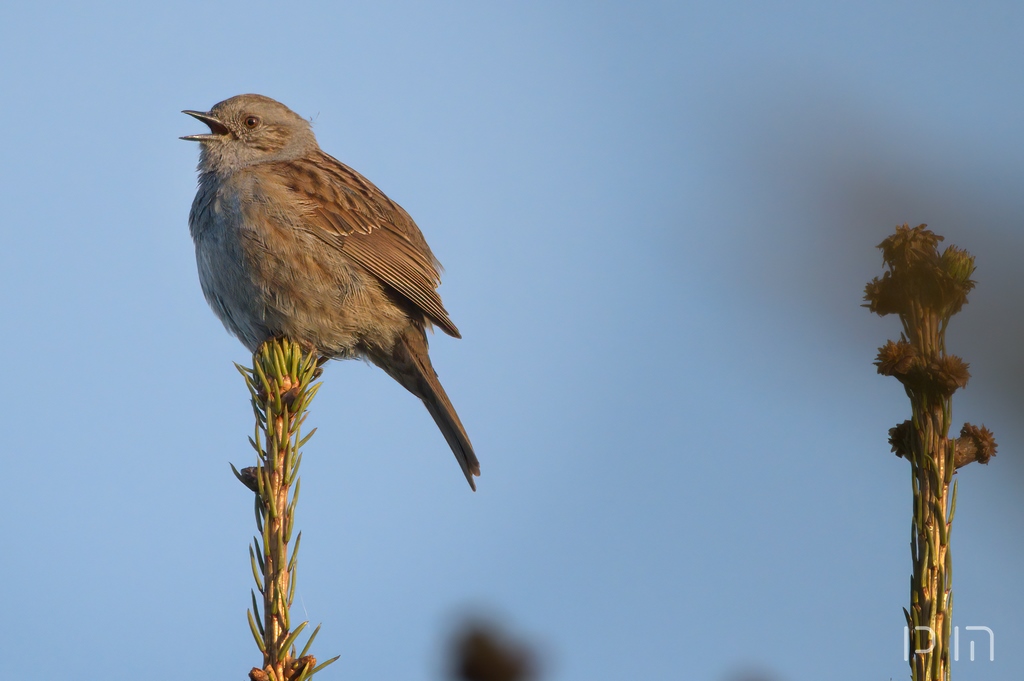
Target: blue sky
{"points": [[656, 220]]}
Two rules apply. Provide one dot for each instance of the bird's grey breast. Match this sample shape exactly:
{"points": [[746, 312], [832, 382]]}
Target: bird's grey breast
{"points": [[217, 207], [225, 240]]}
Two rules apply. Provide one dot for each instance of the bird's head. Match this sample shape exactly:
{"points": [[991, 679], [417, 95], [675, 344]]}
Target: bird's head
{"points": [[250, 129]]}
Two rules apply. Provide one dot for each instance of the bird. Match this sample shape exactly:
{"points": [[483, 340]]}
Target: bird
{"points": [[292, 243]]}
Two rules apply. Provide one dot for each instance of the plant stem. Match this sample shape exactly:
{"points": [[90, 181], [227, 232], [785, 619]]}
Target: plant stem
{"points": [[282, 386], [926, 288]]}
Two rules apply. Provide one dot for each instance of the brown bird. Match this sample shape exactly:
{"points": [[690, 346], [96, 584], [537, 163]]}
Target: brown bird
{"points": [[292, 243]]}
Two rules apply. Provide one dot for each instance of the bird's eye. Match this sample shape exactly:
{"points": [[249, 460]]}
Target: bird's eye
{"points": [[251, 122]]}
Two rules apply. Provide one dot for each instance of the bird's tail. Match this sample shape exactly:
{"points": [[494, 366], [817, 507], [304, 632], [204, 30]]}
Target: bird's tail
{"points": [[409, 364]]}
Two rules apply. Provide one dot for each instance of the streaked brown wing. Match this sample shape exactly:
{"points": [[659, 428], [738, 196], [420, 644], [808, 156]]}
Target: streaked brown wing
{"points": [[351, 214]]}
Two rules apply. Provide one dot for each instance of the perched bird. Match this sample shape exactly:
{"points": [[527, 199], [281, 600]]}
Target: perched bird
{"points": [[292, 243]]}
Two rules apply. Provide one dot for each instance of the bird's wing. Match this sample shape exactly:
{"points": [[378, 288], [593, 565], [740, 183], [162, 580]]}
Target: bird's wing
{"points": [[349, 213]]}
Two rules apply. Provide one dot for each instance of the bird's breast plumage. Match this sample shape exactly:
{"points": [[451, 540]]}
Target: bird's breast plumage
{"points": [[266, 273]]}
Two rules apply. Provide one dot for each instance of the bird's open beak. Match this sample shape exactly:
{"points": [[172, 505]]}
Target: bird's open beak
{"points": [[217, 129]]}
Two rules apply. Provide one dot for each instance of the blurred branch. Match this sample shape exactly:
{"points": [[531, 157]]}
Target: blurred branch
{"points": [[926, 289], [481, 653]]}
